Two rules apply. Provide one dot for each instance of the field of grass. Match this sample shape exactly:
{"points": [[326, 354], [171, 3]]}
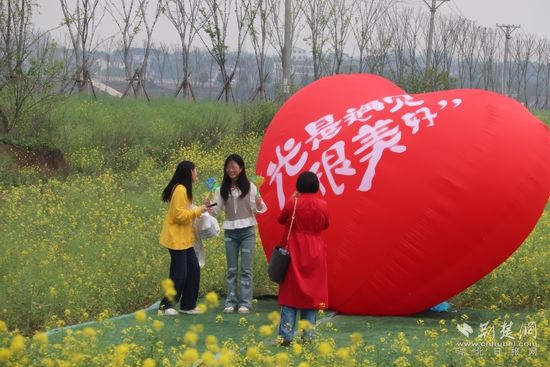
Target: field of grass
{"points": [[218, 339], [85, 248]]}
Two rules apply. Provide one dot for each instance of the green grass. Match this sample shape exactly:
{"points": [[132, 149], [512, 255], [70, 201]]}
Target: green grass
{"points": [[420, 338]]}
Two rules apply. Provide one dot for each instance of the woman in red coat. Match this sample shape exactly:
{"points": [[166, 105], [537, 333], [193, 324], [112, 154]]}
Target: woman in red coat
{"points": [[305, 287]]}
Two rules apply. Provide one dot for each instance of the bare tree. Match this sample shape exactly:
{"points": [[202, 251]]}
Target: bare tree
{"points": [[541, 52], [468, 57], [546, 83], [29, 76], [277, 26], [139, 76], [366, 15], [108, 55], [379, 47], [81, 22], [127, 17], [523, 51], [216, 15], [416, 26], [445, 43], [489, 48], [161, 54], [184, 15], [317, 15], [339, 26], [399, 21], [258, 14]]}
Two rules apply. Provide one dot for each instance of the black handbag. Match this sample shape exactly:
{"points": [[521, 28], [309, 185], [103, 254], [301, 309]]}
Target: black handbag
{"points": [[280, 256]]}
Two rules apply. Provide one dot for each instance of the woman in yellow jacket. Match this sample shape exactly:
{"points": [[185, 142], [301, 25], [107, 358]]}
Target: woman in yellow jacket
{"points": [[178, 237]]}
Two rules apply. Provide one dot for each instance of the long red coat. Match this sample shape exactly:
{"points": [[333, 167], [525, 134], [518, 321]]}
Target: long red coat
{"points": [[306, 283]]}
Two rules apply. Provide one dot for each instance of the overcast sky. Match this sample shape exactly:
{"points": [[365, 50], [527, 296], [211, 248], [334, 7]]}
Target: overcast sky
{"points": [[532, 15]]}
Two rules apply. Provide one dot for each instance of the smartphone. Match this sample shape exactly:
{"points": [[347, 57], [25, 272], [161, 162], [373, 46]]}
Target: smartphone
{"points": [[212, 205]]}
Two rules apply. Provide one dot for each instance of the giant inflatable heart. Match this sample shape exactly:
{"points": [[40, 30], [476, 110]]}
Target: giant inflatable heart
{"points": [[427, 193]]}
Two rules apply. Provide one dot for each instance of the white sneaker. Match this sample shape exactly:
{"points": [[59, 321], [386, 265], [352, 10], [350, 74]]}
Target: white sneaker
{"points": [[168, 312], [244, 309], [193, 311], [229, 309]]}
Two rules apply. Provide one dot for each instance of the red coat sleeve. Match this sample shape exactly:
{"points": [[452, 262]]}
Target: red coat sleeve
{"points": [[285, 213], [324, 213]]}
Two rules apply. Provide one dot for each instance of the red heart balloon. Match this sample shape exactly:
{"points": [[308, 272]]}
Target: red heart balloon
{"points": [[427, 193]]}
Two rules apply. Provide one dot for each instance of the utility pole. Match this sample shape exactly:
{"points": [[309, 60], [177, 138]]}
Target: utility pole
{"points": [[508, 29], [287, 49], [433, 7]]}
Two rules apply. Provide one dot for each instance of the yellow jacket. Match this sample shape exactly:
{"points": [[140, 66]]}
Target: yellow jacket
{"points": [[178, 232]]}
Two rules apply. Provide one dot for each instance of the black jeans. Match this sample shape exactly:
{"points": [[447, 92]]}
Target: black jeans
{"points": [[186, 275]]}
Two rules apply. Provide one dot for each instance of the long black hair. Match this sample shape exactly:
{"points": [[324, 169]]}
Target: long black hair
{"points": [[182, 176], [242, 181]]}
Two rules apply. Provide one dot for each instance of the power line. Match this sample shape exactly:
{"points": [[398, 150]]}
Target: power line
{"points": [[458, 9]]}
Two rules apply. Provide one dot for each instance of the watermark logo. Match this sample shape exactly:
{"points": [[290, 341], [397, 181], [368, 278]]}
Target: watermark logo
{"points": [[465, 329], [498, 338]]}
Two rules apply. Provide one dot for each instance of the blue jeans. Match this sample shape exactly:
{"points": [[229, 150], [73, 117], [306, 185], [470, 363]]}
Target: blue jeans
{"points": [[239, 241], [287, 326], [186, 274]]}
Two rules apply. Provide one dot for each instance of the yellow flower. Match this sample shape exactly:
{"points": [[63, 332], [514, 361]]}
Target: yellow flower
{"points": [[17, 344], [167, 286], [121, 351], [274, 317], [343, 353], [402, 362], [259, 181], [266, 330], [201, 307], [219, 319], [211, 339], [253, 354], [304, 325], [3, 327], [141, 316], [211, 343], [40, 338], [226, 357], [5, 354], [356, 338], [197, 328], [77, 358], [296, 349], [158, 325], [89, 332], [211, 299], [191, 338], [281, 359], [303, 364], [149, 362], [325, 349], [190, 356], [208, 358]]}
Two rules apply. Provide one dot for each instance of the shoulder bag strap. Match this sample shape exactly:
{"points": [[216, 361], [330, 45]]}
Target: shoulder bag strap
{"points": [[291, 221]]}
